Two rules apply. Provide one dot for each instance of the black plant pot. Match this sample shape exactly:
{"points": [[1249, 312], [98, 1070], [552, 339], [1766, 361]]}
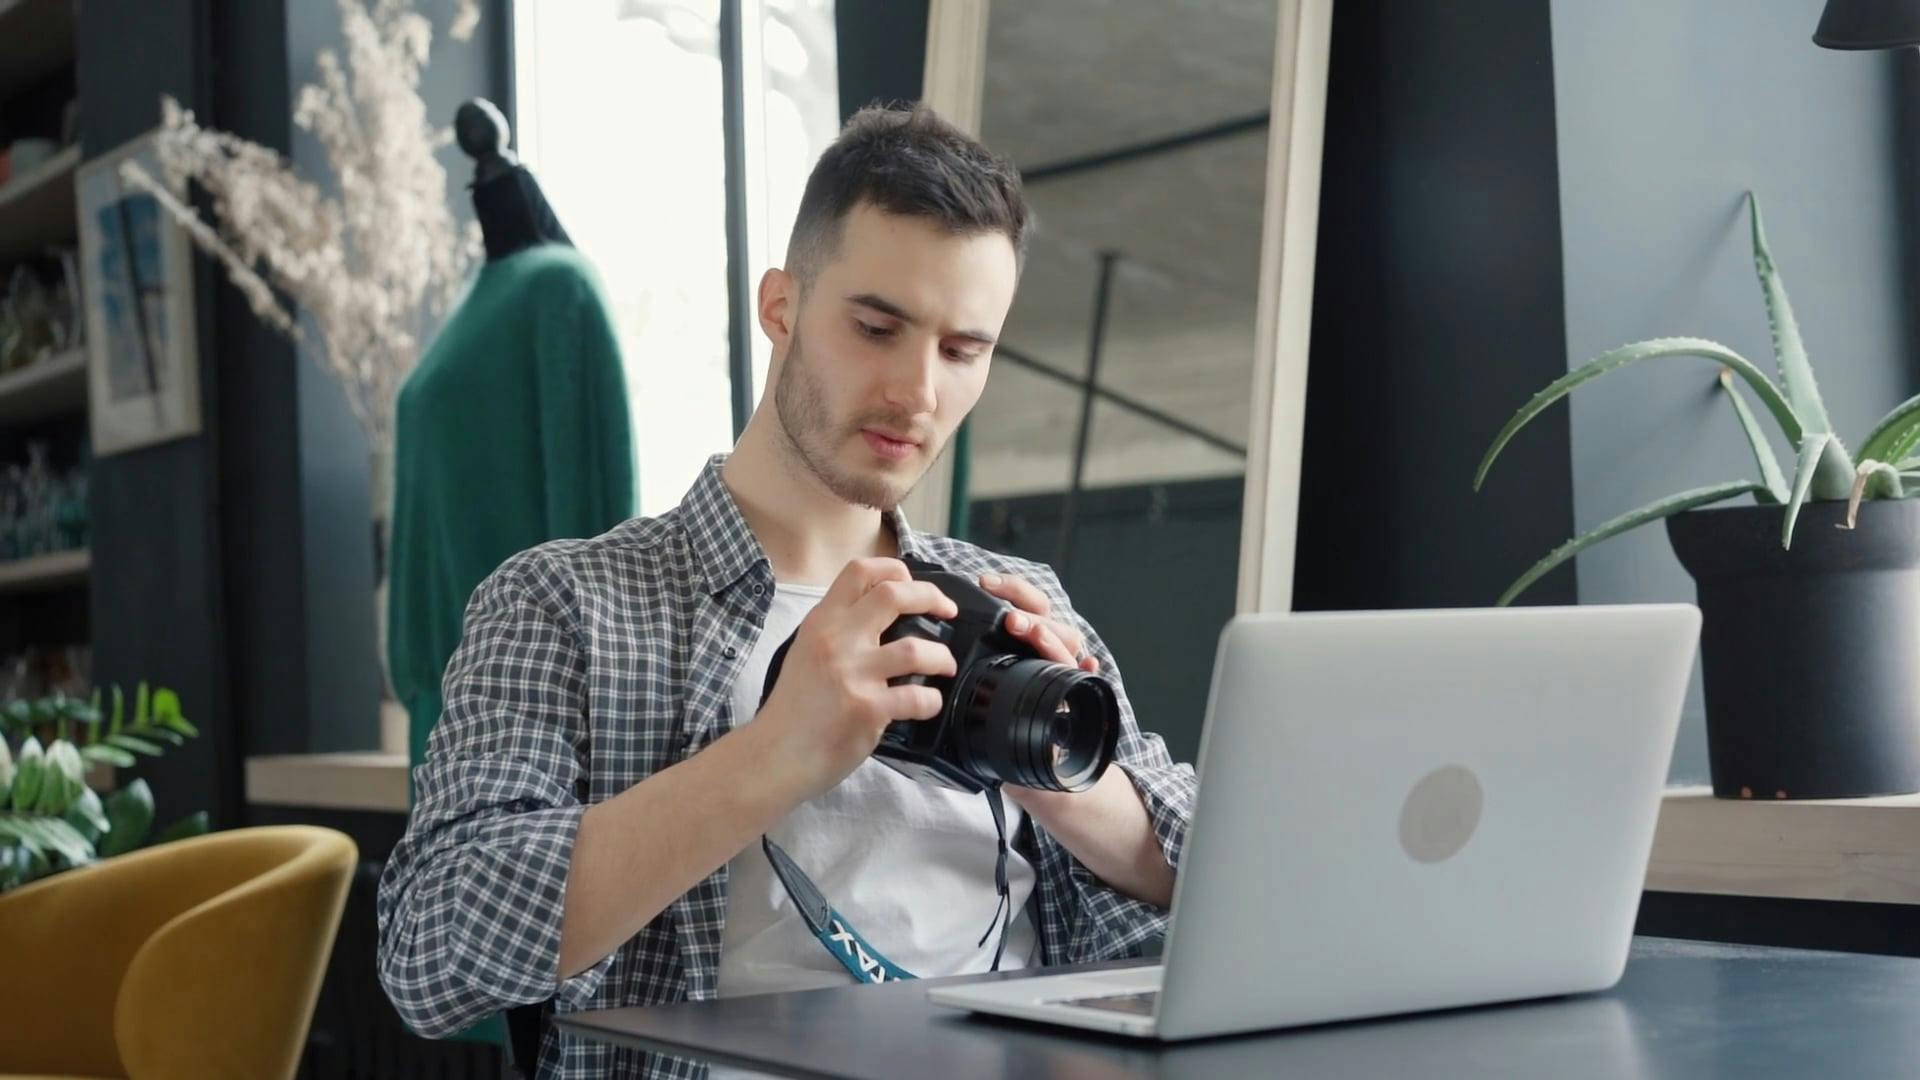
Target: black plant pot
{"points": [[1811, 655]]}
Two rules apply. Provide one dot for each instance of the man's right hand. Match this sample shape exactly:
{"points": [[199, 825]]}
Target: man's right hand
{"points": [[833, 701]]}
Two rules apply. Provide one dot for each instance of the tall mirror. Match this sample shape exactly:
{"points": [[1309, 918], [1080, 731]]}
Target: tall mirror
{"points": [[1112, 438]]}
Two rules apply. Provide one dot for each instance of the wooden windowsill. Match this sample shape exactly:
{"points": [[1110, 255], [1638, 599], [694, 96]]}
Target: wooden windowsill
{"points": [[1839, 849], [351, 781], [370, 780], [1827, 849], [42, 573]]}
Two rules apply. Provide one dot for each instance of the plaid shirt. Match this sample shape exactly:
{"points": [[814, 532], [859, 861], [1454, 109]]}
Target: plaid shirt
{"points": [[587, 666]]}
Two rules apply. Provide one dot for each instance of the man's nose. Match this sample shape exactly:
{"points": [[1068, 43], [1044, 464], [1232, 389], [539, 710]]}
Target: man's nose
{"points": [[911, 388]]}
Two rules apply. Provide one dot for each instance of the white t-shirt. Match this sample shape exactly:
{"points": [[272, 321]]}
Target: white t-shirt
{"points": [[909, 865]]}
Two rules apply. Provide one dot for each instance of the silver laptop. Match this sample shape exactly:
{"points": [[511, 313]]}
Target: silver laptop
{"points": [[1402, 811]]}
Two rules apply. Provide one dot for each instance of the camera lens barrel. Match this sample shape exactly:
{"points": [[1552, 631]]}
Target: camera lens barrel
{"points": [[1036, 723]]}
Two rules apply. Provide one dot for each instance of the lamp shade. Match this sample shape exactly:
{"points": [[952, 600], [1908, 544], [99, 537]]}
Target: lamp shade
{"points": [[1869, 24]]}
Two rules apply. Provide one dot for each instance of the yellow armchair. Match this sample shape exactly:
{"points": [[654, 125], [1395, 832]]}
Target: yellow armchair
{"points": [[200, 958]]}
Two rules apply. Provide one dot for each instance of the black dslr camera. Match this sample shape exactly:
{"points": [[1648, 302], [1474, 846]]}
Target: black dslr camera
{"points": [[1008, 715]]}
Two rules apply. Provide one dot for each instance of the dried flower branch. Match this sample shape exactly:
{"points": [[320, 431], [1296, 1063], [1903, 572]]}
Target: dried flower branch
{"points": [[368, 267], [464, 20]]}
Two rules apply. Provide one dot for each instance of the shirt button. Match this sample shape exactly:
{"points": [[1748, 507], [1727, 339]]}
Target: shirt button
{"points": [[732, 652], [759, 590]]}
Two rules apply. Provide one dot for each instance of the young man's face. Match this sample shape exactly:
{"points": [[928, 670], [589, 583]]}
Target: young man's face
{"points": [[887, 351]]}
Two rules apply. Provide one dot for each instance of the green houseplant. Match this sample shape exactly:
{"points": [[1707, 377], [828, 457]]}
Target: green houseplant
{"points": [[1810, 593], [50, 819]]}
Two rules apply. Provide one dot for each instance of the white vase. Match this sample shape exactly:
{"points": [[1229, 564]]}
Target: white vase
{"points": [[380, 497]]}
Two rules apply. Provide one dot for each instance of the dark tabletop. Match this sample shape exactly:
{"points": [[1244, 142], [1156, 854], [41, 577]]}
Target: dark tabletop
{"points": [[1684, 1009]]}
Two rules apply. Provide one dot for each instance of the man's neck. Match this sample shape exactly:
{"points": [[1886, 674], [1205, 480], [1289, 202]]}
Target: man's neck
{"points": [[809, 533]]}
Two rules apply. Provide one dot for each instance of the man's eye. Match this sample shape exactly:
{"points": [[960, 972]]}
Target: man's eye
{"points": [[872, 331], [962, 356]]}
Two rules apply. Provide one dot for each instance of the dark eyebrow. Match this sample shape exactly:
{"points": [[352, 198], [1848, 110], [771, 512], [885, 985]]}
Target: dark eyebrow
{"points": [[888, 308], [885, 307]]}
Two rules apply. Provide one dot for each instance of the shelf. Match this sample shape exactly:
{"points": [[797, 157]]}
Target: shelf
{"points": [[1814, 849], [46, 389], [43, 573], [36, 40], [37, 208]]}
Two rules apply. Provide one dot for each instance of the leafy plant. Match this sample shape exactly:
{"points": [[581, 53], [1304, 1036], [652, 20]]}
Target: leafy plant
{"points": [[50, 820], [1884, 468]]}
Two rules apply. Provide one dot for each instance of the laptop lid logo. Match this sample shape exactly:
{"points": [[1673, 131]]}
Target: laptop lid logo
{"points": [[1440, 814]]}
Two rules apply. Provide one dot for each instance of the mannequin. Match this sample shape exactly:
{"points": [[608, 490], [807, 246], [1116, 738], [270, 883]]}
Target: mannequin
{"points": [[513, 212], [513, 428]]}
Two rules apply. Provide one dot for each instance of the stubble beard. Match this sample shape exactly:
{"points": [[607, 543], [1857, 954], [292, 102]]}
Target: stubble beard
{"points": [[813, 438]]}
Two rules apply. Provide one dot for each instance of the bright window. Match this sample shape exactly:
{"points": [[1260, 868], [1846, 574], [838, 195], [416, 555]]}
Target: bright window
{"points": [[619, 113]]}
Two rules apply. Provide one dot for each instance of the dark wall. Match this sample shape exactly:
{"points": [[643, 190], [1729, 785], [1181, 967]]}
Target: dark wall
{"points": [[156, 587], [261, 524], [1437, 311], [882, 51], [1668, 114]]}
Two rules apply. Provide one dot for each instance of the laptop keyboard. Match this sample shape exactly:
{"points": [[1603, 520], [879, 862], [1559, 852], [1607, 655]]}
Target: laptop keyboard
{"points": [[1140, 1004]]}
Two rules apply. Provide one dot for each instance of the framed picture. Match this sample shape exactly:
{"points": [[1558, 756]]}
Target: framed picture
{"points": [[136, 278]]}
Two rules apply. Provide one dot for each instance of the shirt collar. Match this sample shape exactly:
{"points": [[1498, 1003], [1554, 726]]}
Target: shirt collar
{"points": [[726, 548]]}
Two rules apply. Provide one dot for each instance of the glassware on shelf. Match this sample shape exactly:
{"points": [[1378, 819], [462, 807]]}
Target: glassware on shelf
{"points": [[29, 330], [39, 670], [70, 512], [37, 501], [42, 509], [12, 512]]}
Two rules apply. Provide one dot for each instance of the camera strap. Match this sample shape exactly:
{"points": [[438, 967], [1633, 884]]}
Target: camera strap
{"points": [[1004, 913], [864, 962]]}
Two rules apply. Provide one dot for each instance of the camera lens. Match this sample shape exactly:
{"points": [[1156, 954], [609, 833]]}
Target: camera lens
{"points": [[1036, 723]]}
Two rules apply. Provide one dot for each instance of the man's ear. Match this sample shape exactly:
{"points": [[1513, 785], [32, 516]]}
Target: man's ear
{"points": [[779, 306]]}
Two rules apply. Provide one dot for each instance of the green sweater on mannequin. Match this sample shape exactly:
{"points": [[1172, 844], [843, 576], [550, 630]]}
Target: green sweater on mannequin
{"points": [[513, 430]]}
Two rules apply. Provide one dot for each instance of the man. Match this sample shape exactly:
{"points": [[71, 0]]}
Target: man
{"points": [[589, 812]]}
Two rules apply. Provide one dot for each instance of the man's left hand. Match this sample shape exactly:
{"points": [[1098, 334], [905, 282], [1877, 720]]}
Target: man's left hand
{"points": [[1033, 623], [1106, 826]]}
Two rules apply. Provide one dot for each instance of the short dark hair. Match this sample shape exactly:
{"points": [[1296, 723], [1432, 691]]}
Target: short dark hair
{"points": [[905, 161]]}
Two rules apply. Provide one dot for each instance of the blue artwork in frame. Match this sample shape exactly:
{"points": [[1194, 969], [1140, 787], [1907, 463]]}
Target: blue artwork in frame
{"points": [[136, 271]]}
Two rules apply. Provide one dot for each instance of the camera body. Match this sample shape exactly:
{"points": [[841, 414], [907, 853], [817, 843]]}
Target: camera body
{"points": [[1007, 714]]}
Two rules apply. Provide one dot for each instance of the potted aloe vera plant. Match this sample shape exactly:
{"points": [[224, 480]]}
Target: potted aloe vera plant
{"points": [[1809, 593]]}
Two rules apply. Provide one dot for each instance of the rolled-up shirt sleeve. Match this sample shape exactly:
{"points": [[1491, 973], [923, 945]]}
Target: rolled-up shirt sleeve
{"points": [[471, 899]]}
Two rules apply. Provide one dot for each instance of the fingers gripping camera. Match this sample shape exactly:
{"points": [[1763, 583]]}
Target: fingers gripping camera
{"points": [[1008, 715]]}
